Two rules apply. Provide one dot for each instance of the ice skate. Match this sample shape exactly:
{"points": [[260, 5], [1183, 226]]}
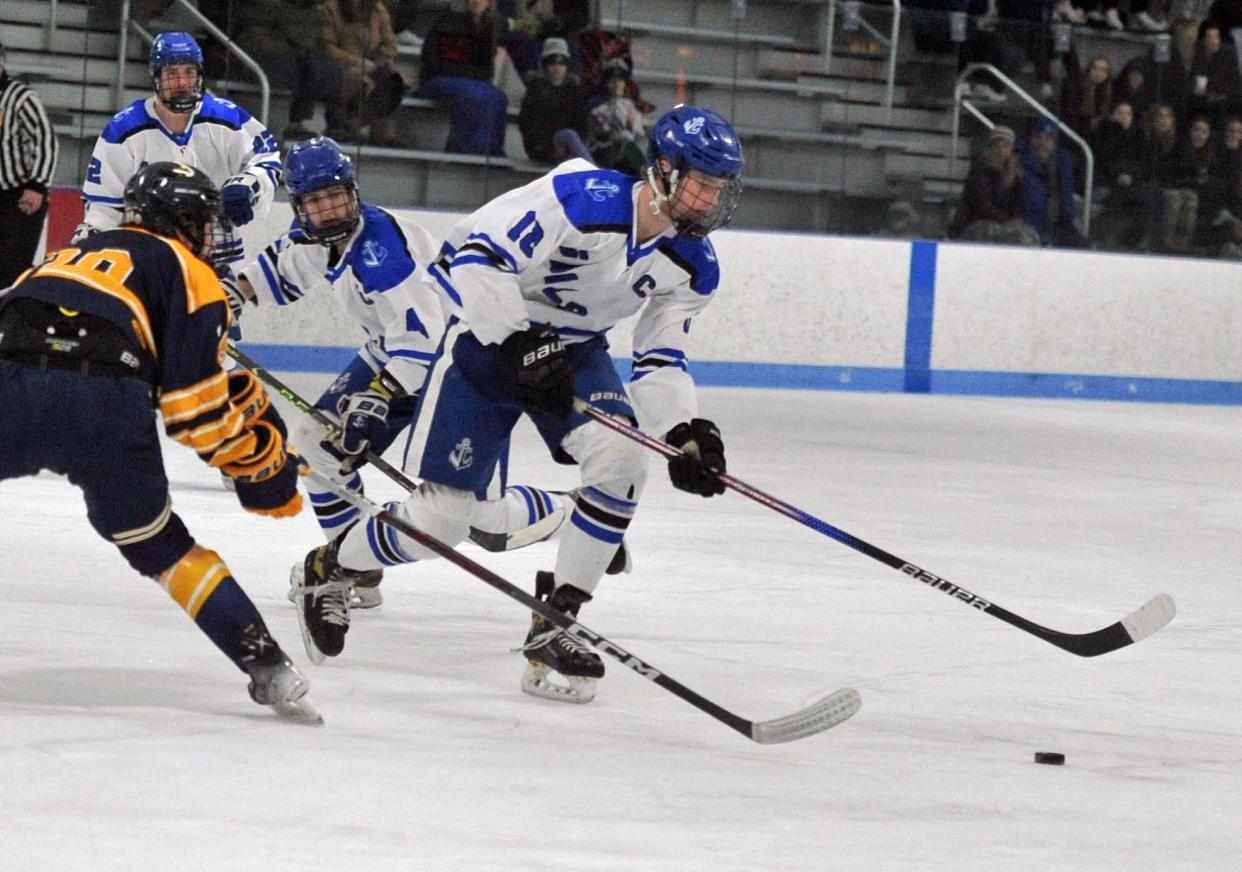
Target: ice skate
{"points": [[274, 680], [365, 594], [322, 587], [550, 651]]}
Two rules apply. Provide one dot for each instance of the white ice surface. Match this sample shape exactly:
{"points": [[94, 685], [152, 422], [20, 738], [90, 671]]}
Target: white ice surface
{"points": [[127, 742]]}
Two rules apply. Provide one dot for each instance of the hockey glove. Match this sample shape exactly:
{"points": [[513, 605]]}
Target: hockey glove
{"points": [[235, 296], [265, 475], [238, 195], [545, 382], [702, 453], [364, 419]]}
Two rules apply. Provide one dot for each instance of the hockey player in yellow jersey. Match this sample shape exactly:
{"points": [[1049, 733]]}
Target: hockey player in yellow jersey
{"points": [[97, 336]]}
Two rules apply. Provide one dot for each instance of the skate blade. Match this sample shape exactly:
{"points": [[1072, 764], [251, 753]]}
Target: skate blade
{"points": [[537, 681], [299, 711], [365, 598], [297, 579]]}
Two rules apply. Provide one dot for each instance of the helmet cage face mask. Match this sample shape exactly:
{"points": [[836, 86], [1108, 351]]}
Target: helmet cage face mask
{"points": [[695, 164], [331, 232], [314, 165], [170, 50]]}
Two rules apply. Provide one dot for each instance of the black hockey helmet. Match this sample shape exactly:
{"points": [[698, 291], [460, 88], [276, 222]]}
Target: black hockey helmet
{"points": [[174, 199]]}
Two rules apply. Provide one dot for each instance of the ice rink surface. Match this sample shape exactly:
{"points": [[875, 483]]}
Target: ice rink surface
{"points": [[127, 741]]}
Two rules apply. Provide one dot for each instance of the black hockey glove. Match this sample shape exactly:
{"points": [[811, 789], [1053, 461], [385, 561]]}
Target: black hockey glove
{"points": [[545, 383], [364, 419], [702, 452], [235, 296]]}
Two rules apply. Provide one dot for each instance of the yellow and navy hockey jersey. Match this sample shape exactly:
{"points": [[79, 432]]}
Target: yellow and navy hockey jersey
{"points": [[172, 307]]}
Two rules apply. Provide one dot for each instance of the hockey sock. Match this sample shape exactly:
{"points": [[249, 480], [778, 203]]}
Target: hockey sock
{"points": [[589, 541], [333, 513], [201, 584]]}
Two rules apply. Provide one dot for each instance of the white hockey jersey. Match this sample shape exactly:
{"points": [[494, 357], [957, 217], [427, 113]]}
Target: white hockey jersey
{"points": [[561, 250], [382, 274], [222, 140]]}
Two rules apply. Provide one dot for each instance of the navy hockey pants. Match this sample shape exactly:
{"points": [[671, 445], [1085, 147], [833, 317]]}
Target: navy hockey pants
{"points": [[100, 432]]}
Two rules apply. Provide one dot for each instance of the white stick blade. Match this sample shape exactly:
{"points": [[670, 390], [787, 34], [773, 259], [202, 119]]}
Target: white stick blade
{"points": [[1150, 617], [838, 706]]}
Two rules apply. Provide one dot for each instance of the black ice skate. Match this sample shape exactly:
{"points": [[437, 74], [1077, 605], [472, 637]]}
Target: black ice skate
{"points": [[322, 588], [549, 649], [274, 680], [364, 595]]}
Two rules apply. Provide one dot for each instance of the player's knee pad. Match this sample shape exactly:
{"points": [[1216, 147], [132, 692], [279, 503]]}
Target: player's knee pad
{"points": [[439, 511], [608, 460], [155, 547]]}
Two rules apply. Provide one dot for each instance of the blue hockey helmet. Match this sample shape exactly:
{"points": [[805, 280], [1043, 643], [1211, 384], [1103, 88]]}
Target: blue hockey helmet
{"points": [[314, 165], [691, 138], [175, 48]]}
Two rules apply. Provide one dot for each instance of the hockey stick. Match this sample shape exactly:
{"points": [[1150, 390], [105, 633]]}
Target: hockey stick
{"points": [[838, 706], [1134, 627], [495, 542], [330, 426]]}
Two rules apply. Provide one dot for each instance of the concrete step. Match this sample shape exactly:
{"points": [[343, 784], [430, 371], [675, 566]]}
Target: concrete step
{"points": [[789, 18], [68, 14], [856, 115]]}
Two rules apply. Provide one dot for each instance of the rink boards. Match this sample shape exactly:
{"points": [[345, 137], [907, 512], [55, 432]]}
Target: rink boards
{"points": [[833, 313]]}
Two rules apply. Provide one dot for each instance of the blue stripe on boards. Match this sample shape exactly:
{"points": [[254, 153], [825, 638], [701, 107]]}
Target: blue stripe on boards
{"points": [[920, 311], [333, 359]]}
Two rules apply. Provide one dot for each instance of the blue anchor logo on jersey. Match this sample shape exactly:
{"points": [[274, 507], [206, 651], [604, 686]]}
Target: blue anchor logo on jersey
{"points": [[373, 254], [601, 190], [462, 455]]}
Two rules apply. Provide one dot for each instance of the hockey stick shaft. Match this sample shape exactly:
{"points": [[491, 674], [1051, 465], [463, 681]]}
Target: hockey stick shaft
{"points": [[1138, 625], [331, 427], [828, 712]]}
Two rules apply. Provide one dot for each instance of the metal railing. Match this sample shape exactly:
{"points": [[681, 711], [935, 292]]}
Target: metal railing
{"points": [[265, 90], [855, 21], [960, 103]]}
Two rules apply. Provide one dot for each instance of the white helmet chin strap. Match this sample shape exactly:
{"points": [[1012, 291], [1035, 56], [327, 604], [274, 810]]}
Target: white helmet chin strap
{"points": [[657, 199]]}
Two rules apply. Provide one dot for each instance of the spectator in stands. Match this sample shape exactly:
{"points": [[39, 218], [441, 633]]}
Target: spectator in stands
{"points": [[457, 68], [358, 34], [1103, 13], [1169, 170], [620, 129], [1185, 19], [1048, 186], [555, 118], [1131, 201], [1143, 83], [1226, 16], [1231, 163], [28, 151], [990, 208], [1029, 22], [526, 24], [1206, 178], [1215, 84], [1086, 99], [286, 38]]}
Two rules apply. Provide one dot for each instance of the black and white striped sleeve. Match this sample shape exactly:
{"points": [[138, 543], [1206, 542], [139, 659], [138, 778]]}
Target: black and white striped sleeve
{"points": [[28, 153]]}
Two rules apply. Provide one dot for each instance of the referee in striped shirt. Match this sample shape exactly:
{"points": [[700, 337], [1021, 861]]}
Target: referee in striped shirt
{"points": [[27, 160]]}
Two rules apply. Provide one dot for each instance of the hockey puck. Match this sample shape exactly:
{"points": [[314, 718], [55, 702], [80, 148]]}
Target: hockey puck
{"points": [[1052, 758]]}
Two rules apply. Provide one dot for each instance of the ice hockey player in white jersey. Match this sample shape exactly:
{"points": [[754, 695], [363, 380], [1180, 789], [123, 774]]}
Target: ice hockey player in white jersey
{"points": [[180, 123], [538, 276], [377, 262]]}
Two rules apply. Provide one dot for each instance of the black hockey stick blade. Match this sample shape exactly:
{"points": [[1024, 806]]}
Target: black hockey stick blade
{"points": [[1133, 628], [828, 712]]}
